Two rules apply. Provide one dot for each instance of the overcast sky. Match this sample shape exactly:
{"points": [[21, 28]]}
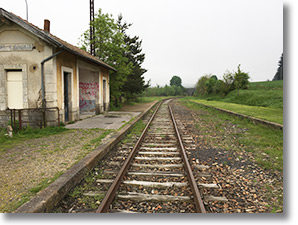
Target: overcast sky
{"points": [[188, 38]]}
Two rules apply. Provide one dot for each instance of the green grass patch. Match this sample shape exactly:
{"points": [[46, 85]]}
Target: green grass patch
{"points": [[27, 134], [264, 98], [269, 85], [264, 94], [270, 114], [265, 143]]}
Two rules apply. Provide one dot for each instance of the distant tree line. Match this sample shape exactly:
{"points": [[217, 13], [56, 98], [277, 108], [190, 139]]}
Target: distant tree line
{"points": [[115, 47], [174, 89], [210, 84], [279, 73]]}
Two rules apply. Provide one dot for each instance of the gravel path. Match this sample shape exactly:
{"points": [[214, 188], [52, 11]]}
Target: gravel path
{"points": [[24, 166]]}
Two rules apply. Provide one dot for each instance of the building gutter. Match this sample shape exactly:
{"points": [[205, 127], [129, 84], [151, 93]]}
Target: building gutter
{"points": [[42, 77]]}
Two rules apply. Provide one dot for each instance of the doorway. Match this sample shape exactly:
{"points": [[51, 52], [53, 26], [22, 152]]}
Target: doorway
{"points": [[67, 94], [104, 84], [14, 89]]}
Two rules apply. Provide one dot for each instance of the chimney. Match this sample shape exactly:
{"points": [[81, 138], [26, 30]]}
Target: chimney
{"points": [[46, 26]]}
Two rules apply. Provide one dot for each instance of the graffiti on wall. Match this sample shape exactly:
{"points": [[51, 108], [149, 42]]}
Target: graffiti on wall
{"points": [[88, 95]]}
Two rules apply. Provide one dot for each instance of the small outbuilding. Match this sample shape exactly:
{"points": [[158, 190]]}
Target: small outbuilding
{"points": [[39, 70]]}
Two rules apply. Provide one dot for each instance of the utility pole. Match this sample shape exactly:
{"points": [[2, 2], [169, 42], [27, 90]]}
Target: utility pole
{"points": [[26, 9], [92, 47]]}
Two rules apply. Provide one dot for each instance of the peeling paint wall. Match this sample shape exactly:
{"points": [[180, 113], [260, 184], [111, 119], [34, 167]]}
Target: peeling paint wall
{"points": [[20, 50], [66, 62]]}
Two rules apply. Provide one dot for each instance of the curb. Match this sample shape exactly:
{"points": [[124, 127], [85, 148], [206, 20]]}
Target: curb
{"points": [[253, 119], [48, 198]]}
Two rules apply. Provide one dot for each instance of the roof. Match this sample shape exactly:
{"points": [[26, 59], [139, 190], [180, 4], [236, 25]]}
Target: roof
{"points": [[51, 39]]}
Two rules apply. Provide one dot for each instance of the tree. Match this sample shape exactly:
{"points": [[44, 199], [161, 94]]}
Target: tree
{"points": [[201, 87], [135, 83], [110, 47], [219, 87], [210, 84], [279, 73], [228, 80], [176, 81], [240, 79]]}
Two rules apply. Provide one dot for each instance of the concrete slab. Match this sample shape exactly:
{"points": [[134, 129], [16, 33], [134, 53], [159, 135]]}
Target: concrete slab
{"points": [[110, 120]]}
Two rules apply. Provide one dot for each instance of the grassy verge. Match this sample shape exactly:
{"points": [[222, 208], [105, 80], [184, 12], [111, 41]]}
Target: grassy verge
{"points": [[265, 143], [270, 114], [27, 134], [263, 94]]}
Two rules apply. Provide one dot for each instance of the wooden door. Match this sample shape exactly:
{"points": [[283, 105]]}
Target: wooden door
{"points": [[14, 90]]}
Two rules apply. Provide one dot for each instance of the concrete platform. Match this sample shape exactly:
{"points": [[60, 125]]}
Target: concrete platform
{"points": [[47, 199], [110, 120]]}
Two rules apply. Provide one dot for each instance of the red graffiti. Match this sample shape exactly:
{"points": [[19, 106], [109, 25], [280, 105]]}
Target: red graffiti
{"points": [[85, 86]]}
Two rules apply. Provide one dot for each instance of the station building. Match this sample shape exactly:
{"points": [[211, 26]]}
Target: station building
{"points": [[39, 70]]}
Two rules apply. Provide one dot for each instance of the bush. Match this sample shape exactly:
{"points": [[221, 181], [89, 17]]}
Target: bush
{"points": [[210, 85]]}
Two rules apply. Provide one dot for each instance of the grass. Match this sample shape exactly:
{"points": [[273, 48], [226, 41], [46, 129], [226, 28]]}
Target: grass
{"points": [[27, 134], [264, 94], [270, 114], [277, 84], [256, 97], [265, 143]]}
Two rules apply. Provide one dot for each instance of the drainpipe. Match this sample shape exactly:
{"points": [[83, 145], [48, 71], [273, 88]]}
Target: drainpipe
{"points": [[42, 77]]}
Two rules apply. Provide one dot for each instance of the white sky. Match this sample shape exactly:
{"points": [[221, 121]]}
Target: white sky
{"points": [[188, 38]]}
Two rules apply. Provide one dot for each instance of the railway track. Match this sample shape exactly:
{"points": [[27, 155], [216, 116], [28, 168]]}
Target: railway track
{"points": [[156, 171], [149, 173]]}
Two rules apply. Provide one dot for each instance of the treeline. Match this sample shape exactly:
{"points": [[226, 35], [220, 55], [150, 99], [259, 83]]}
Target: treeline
{"points": [[115, 47], [210, 84], [174, 89], [164, 91]]}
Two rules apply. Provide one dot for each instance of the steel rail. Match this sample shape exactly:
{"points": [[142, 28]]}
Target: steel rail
{"points": [[110, 195], [192, 182]]}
